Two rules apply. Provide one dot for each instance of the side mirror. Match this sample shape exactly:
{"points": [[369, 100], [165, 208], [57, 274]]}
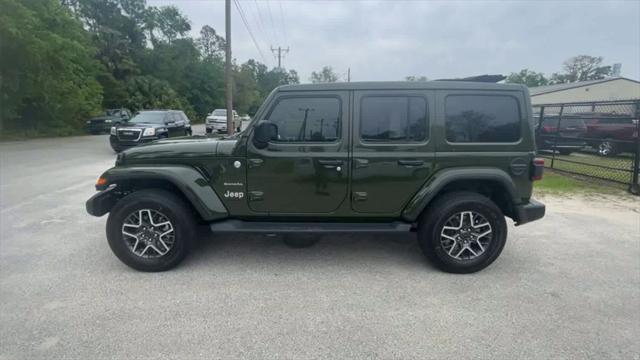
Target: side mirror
{"points": [[264, 132]]}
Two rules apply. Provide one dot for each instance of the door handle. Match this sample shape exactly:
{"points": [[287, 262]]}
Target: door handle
{"points": [[410, 162], [361, 163], [330, 163]]}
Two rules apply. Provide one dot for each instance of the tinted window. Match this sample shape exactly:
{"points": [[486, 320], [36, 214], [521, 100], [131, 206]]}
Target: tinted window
{"points": [[477, 118], [307, 119], [148, 117], [393, 119]]}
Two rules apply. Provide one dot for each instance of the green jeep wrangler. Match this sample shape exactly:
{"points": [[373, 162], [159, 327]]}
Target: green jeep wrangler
{"points": [[445, 159]]}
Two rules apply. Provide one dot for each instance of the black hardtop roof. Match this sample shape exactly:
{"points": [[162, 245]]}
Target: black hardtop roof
{"points": [[402, 85]]}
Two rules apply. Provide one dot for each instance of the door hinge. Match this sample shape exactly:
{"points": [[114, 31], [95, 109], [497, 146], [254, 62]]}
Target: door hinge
{"points": [[255, 162], [256, 195], [359, 196], [361, 163]]}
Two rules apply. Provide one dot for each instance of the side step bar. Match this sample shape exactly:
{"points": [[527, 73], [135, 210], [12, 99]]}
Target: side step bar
{"points": [[240, 226]]}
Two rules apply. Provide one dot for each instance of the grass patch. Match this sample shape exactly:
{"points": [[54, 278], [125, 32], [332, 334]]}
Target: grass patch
{"points": [[615, 168], [554, 182]]}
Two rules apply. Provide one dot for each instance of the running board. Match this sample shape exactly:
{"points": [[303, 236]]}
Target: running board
{"points": [[239, 226]]}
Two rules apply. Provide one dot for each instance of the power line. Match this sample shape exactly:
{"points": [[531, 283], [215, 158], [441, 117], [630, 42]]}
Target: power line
{"points": [[284, 29], [261, 22], [246, 25], [273, 24]]}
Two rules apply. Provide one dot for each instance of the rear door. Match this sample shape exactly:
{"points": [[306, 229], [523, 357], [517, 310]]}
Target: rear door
{"points": [[393, 154]]}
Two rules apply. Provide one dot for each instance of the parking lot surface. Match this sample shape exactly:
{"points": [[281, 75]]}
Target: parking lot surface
{"points": [[564, 287]]}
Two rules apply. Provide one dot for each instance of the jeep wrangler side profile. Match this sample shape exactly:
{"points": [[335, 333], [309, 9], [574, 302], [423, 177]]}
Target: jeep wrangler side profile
{"points": [[445, 159]]}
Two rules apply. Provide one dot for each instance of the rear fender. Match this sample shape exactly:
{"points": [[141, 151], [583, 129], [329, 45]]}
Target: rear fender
{"points": [[440, 179]]}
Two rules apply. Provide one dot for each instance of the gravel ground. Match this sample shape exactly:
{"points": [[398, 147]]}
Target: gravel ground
{"points": [[564, 287]]}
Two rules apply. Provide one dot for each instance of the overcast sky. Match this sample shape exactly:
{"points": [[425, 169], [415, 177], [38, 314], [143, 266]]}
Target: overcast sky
{"points": [[388, 40]]}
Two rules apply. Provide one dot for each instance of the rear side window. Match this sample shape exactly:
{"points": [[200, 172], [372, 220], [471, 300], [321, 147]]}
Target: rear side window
{"points": [[482, 118], [307, 119], [393, 119]]}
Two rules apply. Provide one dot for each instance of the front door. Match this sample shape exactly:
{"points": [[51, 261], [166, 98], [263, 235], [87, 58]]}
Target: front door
{"points": [[304, 171], [393, 154]]}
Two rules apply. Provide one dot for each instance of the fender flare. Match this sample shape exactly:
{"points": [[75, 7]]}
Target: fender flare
{"points": [[193, 185], [442, 178]]}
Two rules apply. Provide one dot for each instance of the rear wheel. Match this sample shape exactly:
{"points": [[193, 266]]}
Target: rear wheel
{"points": [[607, 148], [151, 230], [462, 232]]}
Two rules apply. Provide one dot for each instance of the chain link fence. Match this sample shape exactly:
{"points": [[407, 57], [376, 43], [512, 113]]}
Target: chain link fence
{"points": [[596, 139]]}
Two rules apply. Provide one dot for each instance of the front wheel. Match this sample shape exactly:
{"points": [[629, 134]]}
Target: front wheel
{"points": [[462, 232], [151, 230]]}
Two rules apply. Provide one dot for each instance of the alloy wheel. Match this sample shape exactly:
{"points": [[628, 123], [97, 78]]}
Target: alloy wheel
{"points": [[466, 235], [148, 233]]}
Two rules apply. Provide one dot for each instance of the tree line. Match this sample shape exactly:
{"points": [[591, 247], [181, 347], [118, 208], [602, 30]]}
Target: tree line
{"points": [[63, 61], [577, 68]]}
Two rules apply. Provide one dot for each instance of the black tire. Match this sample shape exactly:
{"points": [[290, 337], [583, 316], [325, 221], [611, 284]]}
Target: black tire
{"points": [[433, 220], [565, 152], [168, 204], [208, 131]]}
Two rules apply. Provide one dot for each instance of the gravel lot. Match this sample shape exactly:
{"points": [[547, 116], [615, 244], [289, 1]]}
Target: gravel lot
{"points": [[565, 287]]}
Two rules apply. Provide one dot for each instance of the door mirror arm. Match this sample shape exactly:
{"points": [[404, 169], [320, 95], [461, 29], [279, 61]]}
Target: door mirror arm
{"points": [[264, 132]]}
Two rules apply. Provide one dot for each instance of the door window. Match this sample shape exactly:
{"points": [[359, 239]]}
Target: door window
{"points": [[307, 119], [482, 118], [393, 119]]}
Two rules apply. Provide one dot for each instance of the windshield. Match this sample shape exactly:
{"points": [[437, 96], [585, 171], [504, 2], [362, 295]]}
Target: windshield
{"points": [[112, 112], [148, 117], [219, 113]]}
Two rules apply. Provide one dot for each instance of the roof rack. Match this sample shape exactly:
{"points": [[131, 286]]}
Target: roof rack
{"points": [[479, 78]]}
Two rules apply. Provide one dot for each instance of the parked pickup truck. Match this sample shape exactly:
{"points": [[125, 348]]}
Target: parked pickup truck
{"points": [[611, 134], [447, 160]]}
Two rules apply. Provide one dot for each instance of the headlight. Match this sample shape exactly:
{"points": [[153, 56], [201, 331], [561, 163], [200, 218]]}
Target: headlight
{"points": [[88, 121], [113, 130], [108, 121], [149, 132]]}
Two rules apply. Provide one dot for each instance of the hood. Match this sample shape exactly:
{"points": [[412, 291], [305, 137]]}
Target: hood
{"points": [[141, 126], [180, 148]]}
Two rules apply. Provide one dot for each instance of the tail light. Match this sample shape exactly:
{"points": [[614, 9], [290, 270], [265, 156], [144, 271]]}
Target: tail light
{"points": [[549, 129], [538, 169]]}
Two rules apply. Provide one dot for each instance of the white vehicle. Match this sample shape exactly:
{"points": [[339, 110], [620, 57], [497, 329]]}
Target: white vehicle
{"points": [[217, 121]]}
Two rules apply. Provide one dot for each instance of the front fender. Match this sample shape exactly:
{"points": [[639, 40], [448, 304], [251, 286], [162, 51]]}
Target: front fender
{"points": [[193, 185], [440, 179]]}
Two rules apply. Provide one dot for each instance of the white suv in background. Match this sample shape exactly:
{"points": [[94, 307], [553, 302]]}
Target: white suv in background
{"points": [[217, 121]]}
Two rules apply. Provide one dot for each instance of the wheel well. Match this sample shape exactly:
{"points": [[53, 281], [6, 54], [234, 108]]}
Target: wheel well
{"points": [[492, 189], [126, 187]]}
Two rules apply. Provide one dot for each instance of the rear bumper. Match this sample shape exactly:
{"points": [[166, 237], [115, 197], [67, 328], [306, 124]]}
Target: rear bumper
{"points": [[529, 212], [102, 202]]}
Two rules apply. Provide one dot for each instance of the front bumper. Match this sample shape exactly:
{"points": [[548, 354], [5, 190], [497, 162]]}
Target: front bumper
{"points": [[529, 212], [102, 202], [216, 126]]}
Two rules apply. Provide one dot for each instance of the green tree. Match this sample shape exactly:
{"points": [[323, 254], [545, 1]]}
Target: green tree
{"points": [[47, 71], [211, 45], [147, 92], [326, 75], [581, 68], [528, 78], [415, 78]]}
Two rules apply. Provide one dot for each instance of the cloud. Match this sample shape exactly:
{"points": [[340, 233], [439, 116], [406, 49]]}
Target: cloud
{"points": [[388, 40]]}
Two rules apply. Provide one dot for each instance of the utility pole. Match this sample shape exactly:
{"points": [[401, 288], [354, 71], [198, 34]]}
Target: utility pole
{"points": [[280, 55], [227, 66], [348, 74]]}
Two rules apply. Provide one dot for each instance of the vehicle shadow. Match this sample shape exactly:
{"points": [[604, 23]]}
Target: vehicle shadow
{"points": [[332, 250]]}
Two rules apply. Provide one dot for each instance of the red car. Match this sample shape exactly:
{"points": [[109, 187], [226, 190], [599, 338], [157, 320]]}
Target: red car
{"points": [[613, 133]]}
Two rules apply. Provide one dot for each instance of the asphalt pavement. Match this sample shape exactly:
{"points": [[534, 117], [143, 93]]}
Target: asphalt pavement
{"points": [[564, 287]]}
